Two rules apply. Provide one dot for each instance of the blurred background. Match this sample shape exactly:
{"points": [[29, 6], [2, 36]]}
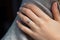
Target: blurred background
{"points": [[8, 9]]}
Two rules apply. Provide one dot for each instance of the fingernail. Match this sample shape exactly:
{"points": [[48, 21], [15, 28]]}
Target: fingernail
{"points": [[17, 21], [21, 8], [17, 12], [24, 4]]}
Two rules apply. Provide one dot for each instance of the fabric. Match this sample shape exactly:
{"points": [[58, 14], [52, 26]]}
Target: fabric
{"points": [[14, 33]]}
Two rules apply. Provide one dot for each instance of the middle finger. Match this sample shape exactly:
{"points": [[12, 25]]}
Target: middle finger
{"points": [[32, 16], [29, 22]]}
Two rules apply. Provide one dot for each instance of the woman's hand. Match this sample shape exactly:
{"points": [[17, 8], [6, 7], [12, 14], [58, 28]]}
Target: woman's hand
{"points": [[42, 27]]}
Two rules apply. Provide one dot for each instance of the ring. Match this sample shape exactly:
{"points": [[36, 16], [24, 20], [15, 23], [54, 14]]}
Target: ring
{"points": [[28, 21]]}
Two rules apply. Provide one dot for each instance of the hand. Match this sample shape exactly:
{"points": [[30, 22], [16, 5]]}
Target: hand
{"points": [[42, 27]]}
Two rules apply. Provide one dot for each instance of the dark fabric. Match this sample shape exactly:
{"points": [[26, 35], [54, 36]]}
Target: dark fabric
{"points": [[8, 9]]}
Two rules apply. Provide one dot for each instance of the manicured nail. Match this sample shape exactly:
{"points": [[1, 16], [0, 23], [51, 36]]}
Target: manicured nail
{"points": [[24, 4], [17, 12], [17, 21], [20, 8]]}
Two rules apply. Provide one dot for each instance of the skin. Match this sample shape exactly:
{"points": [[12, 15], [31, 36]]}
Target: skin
{"points": [[42, 27]]}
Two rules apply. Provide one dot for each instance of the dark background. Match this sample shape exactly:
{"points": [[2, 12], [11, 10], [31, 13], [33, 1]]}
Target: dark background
{"points": [[8, 9]]}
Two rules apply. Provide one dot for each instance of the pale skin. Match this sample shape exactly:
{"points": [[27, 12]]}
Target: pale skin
{"points": [[42, 27]]}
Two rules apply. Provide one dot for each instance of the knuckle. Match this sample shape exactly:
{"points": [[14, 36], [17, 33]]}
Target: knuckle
{"points": [[27, 10], [32, 33]]}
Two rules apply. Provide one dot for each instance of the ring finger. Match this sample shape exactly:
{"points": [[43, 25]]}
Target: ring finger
{"points": [[33, 17], [29, 22]]}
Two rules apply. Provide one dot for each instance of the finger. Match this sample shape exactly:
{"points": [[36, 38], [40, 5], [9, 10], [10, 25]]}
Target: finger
{"points": [[26, 20], [25, 29], [32, 16], [55, 11], [37, 11], [34, 35]]}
